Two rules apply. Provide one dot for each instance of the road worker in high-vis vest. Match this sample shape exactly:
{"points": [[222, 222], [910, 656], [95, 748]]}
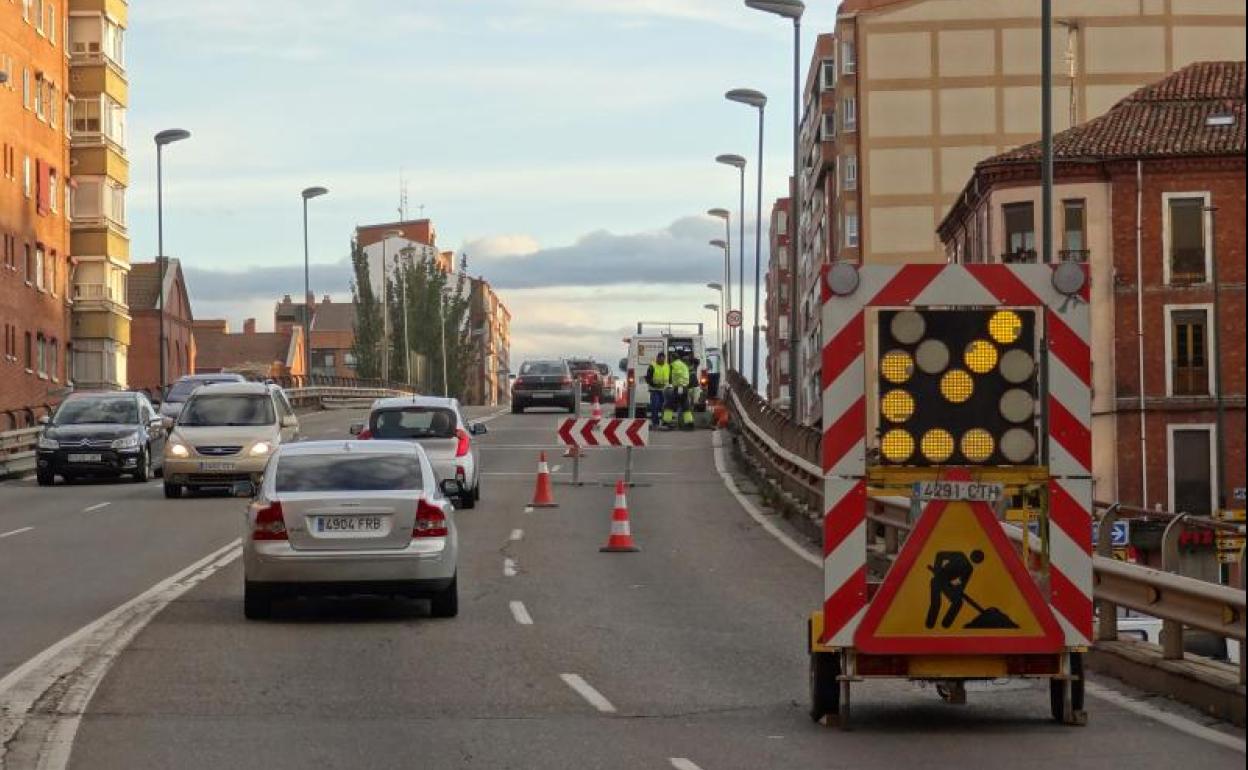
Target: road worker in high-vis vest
{"points": [[658, 377]]}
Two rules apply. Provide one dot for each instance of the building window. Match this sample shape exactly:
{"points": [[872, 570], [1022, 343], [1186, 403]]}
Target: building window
{"points": [[1188, 351], [52, 356], [827, 74], [849, 109], [1191, 468], [30, 353], [27, 96], [329, 361], [1020, 232], [53, 194], [1074, 231], [851, 230], [40, 280], [27, 177], [850, 166], [41, 356], [848, 63], [30, 265], [1186, 239], [349, 360], [782, 223]]}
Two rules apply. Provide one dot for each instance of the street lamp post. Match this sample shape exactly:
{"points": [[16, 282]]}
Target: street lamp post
{"points": [[792, 10], [758, 100], [738, 162], [726, 301], [168, 136], [714, 308], [308, 194]]}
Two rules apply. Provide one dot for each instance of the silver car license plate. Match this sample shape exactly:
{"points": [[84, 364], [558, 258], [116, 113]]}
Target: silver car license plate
{"points": [[210, 467], [348, 524], [85, 458], [543, 395]]}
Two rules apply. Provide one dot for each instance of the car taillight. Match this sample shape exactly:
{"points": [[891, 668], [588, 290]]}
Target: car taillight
{"points": [[270, 525], [365, 435], [631, 375], [519, 381], [430, 520], [465, 442]]}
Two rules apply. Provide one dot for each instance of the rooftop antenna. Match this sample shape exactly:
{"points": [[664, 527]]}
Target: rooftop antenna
{"points": [[402, 197]]}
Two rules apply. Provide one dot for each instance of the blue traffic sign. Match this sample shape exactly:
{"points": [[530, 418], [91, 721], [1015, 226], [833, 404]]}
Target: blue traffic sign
{"points": [[1120, 536]]}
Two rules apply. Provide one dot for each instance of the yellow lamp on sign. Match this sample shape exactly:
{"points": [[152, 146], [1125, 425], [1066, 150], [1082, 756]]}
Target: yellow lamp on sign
{"points": [[1005, 326], [977, 445], [897, 405], [980, 356], [897, 445], [937, 445], [897, 366], [956, 386]]}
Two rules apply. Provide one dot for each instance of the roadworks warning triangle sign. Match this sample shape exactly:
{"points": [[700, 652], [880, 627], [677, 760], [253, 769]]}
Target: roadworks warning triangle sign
{"points": [[958, 588]]}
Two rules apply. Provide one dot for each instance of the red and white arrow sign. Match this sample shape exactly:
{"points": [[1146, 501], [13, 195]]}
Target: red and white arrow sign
{"points": [[590, 432]]}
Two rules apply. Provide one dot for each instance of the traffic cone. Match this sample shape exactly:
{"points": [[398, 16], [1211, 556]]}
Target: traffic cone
{"points": [[621, 539], [597, 410], [543, 495]]}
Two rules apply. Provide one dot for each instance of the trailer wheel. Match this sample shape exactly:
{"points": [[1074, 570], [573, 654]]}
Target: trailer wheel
{"points": [[1057, 694], [825, 688]]}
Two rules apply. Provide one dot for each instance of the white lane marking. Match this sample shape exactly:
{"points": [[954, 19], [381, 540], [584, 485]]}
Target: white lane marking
{"points": [[521, 614], [15, 532], [492, 415], [587, 692], [1178, 722], [528, 509], [95, 507], [680, 763], [509, 567], [555, 468], [79, 662], [753, 511], [517, 534]]}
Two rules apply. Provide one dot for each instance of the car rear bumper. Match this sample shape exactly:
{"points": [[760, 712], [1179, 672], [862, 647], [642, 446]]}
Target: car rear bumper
{"points": [[412, 588], [277, 562], [541, 397]]}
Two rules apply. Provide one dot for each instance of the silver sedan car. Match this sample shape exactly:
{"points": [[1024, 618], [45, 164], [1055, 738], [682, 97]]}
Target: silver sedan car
{"points": [[346, 518]]}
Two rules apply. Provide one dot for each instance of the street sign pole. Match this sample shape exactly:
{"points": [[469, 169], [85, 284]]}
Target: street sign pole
{"points": [[632, 414], [576, 451]]}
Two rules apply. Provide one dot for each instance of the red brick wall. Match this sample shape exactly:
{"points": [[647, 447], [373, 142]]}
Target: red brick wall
{"points": [[1225, 181]]}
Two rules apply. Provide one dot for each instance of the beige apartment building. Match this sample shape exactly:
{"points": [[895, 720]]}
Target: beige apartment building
{"points": [[906, 96]]}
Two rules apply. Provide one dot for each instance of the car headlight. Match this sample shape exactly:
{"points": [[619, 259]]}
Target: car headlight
{"points": [[259, 449], [178, 450], [127, 442], [48, 443]]}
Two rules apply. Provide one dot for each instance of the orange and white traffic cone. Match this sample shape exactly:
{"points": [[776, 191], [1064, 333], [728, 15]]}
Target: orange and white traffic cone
{"points": [[543, 495], [621, 539], [596, 413]]}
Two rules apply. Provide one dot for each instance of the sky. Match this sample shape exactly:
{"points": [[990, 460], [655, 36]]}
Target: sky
{"points": [[566, 146]]}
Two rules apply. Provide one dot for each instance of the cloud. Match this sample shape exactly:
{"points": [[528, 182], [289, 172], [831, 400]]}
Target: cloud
{"points": [[500, 246], [270, 283]]}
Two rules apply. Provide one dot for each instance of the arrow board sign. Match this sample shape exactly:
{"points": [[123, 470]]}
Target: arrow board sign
{"points": [[592, 432]]}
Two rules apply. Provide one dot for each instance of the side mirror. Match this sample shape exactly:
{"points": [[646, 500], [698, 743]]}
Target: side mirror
{"points": [[167, 422], [623, 364], [478, 429], [356, 428], [452, 487], [243, 489], [290, 421], [44, 420]]}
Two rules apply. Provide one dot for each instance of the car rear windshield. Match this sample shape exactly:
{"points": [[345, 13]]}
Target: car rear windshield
{"points": [[343, 473], [183, 389], [542, 367], [97, 411], [228, 410], [578, 366], [413, 422]]}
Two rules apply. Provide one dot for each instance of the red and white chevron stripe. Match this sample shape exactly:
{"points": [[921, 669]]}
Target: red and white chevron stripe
{"points": [[1067, 330]]}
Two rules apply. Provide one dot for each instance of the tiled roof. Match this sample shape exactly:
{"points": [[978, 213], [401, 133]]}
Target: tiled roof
{"points": [[334, 317], [143, 283], [221, 351], [1165, 119]]}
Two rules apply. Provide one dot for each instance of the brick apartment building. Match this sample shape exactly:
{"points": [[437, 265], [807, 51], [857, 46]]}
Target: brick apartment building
{"points": [[490, 322], [332, 333], [904, 97], [1152, 196], [35, 265], [776, 310], [252, 353], [143, 292]]}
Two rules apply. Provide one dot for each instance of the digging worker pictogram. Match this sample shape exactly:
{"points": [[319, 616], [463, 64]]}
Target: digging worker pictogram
{"points": [[950, 574]]}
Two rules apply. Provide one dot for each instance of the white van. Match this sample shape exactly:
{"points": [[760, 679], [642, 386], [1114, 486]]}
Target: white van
{"points": [[650, 340]]}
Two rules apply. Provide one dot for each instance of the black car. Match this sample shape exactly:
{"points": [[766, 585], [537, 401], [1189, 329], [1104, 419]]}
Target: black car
{"points": [[543, 383], [101, 434]]}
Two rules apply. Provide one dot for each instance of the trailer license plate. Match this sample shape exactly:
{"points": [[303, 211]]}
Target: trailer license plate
{"points": [[973, 491]]}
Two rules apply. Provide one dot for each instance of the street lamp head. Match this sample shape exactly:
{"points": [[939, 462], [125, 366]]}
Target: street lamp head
{"points": [[314, 192], [728, 159], [719, 213], [715, 286], [711, 306], [171, 135], [789, 9], [719, 243], [747, 96]]}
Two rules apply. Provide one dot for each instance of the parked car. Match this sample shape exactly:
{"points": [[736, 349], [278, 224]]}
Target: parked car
{"points": [[438, 425], [543, 383], [346, 518], [225, 434], [101, 434], [181, 390], [586, 371], [608, 381]]}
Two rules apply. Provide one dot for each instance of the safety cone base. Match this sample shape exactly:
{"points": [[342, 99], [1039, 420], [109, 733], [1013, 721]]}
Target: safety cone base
{"points": [[619, 549]]}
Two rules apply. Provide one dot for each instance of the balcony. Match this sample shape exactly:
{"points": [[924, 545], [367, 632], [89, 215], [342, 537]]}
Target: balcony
{"points": [[1074, 255], [1020, 257]]}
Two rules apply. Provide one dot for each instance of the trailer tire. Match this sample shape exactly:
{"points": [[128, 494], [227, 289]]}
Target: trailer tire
{"points": [[825, 687]]}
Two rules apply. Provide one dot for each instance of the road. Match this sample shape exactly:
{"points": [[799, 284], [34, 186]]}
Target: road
{"points": [[689, 654]]}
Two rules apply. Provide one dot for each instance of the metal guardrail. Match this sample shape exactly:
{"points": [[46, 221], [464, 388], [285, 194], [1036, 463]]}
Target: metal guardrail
{"points": [[790, 459]]}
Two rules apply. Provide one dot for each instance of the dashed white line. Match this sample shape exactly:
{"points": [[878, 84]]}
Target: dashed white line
{"points": [[528, 509], [517, 534], [583, 688], [680, 763], [555, 468], [521, 613], [509, 567], [95, 507], [15, 532]]}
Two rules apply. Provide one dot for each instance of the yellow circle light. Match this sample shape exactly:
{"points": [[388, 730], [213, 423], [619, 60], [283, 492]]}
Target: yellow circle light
{"points": [[897, 366], [977, 445], [897, 445], [980, 356], [1005, 326], [897, 405], [956, 386], [937, 445]]}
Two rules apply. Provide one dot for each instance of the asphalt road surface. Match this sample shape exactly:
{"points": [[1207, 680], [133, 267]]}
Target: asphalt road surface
{"points": [[689, 654]]}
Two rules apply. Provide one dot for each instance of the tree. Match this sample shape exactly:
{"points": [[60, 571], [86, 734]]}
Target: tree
{"points": [[368, 332], [434, 308]]}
